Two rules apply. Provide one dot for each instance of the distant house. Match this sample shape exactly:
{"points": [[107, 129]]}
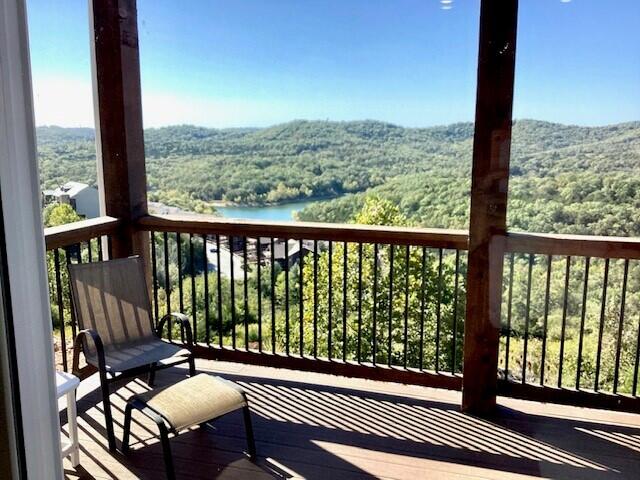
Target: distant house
{"points": [[82, 197]]}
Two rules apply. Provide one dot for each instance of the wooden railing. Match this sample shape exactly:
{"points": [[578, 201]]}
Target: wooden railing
{"points": [[571, 320], [367, 301], [385, 302]]}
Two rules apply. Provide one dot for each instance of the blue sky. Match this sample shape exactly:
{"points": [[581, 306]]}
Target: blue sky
{"points": [[230, 63]]}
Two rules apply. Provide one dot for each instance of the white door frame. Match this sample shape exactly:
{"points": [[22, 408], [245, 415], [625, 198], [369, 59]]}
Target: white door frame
{"points": [[19, 186]]}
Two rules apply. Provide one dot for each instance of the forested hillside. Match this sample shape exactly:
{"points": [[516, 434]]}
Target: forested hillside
{"points": [[564, 178]]}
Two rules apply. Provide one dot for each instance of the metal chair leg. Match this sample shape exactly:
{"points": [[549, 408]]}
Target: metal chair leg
{"points": [[166, 451], [127, 428], [106, 404], [192, 366], [151, 379], [251, 442]]}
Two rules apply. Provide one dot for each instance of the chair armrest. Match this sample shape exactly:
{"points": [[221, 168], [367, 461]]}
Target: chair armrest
{"points": [[180, 319], [97, 343]]}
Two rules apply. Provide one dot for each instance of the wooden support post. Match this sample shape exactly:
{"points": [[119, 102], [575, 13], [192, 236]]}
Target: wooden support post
{"points": [[490, 175], [118, 113]]}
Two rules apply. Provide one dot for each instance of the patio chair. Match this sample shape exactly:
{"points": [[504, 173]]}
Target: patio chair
{"points": [[113, 311]]}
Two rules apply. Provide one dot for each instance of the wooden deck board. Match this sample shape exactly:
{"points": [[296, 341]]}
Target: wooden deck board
{"points": [[320, 426]]}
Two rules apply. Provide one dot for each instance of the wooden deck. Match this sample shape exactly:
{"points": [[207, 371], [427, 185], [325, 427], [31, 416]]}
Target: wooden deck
{"points": [[319, 426]]}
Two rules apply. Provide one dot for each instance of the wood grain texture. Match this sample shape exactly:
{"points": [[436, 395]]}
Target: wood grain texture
{"points": [[574, 245], [489, 187], [72, 233], [310, 425], [118, 111], [207, 224]]}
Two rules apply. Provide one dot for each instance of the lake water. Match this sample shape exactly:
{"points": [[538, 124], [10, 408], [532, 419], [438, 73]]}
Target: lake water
{"points": [[280, 212]]}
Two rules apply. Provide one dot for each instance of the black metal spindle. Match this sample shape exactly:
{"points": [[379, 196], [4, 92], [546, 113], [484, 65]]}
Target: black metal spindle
{"points": [[527, 315], [205, 273], [330, 300], [423, 291], [390, 324], [583, 316], [192, 272], [603, 308], [637, 363], [439, 310], [154, 267], [232, 286], [454, 333], [219, 292], [375, 305], [245, 268], [100, 258], [286, 296], [406, 306], [315, 298], [179, 260], [60, 302], [623, 298], [509, 311], [167, 279], [273, 295], [565, 307], [259, 288], [301, 296], [344, 302], [72, 311], [89, 253], [545, 320], [359, 347]]}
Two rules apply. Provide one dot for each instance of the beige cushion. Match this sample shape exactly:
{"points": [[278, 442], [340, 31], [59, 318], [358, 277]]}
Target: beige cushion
{"points": [[194, 400]]}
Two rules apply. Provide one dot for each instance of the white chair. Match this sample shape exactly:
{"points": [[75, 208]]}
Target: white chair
{"points": [[66, 384]]}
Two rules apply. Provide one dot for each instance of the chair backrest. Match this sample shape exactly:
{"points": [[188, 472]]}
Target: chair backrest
{"points": [[112, 298]]}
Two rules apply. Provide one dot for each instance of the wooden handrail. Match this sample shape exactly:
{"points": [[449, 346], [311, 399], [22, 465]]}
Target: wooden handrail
{"points": [[72, 233], [211, 225], [574, 245]]}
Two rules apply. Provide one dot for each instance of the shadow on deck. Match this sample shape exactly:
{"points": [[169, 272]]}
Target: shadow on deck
{"points": [[317, 426]]}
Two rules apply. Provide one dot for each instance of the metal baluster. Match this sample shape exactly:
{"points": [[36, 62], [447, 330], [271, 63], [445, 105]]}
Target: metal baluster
{"points": [[439, 310], [637, 363], [154, 266], [375, 305], [527, 315], [454, 339], [233, 293], [100, 249], [219, 292], [359, 302], [301, 295], [192, 271], [59, 299], [423, 288], [616, 371], [603, 308], [344, 302], [273, 296], [245, 293], [390, 329], [509, 307], [330, 297], [179, 253], [167, 280], [406, 305], [545, 319], [565, 305], [89, 255], [259, 286], [583, 316], [205, 273], [315, 298], [286, 296]]}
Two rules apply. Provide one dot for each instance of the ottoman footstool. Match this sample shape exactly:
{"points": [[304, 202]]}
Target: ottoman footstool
{"points": [[193, 401]]}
